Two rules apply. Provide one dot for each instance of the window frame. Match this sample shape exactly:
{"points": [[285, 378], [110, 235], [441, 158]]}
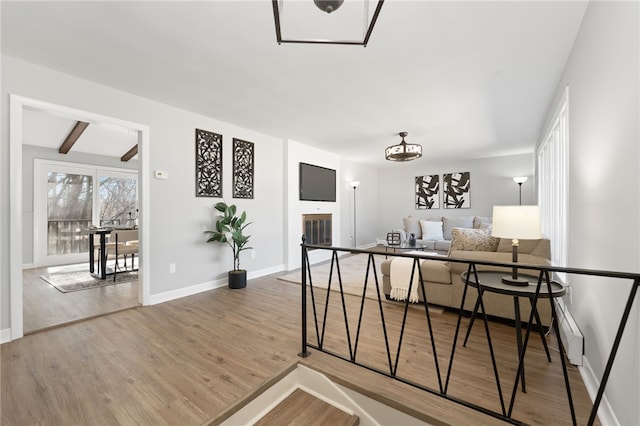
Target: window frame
{"points": [[552, 158]]}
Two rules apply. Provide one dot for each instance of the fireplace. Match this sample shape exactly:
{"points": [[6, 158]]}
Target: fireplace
{"points": [[317, 229]]}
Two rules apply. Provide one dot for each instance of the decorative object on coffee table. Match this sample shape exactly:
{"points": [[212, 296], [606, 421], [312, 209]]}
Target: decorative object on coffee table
{"points": [[229, 230], [393, 239], [427, 192], [243, 169], [208, 164], [456, 190], [516, 223]]}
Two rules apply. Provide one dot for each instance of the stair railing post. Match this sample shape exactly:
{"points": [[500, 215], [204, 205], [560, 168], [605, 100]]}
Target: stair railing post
{"points": [[304, 353]]}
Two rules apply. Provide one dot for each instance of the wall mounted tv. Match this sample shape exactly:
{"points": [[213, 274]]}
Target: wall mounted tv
{"points": [[317, 183]]}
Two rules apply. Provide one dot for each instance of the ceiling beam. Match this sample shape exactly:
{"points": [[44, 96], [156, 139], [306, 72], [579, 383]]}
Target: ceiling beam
{"points": [[73, 136], [130, 154]]}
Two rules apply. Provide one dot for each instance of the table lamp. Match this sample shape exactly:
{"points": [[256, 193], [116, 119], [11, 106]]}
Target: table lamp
{"points": [[516, 223]]}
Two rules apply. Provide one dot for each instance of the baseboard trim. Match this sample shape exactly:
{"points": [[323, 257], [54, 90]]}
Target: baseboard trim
{"points": [[605, 412], [5, 335], [167, 296]]}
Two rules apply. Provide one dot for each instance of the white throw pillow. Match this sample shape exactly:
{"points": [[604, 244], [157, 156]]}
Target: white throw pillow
{"points": [[431, 230]]}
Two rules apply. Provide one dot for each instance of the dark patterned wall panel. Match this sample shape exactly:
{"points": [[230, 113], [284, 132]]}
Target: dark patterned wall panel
{"points": [[242, 169], [208, 164], [428, 192], [456, 190]]}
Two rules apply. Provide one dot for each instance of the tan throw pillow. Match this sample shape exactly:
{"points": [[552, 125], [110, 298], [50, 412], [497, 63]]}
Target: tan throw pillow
{"points": [[473, 240], [412, 226]]}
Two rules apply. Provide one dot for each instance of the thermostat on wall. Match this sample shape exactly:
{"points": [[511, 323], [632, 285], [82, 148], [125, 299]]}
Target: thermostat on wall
{"points": [[161, 174]]}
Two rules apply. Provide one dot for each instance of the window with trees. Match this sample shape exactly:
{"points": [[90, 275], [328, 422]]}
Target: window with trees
{"points": [[71, 202]]}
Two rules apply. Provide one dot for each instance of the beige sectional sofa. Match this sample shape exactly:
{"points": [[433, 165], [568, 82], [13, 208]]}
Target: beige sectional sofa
{"points": [[442, 278], [434, 232]]}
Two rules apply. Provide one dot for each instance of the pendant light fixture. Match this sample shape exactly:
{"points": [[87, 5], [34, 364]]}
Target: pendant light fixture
{"points": [[351, 25], [403, 151], [328, 5]]}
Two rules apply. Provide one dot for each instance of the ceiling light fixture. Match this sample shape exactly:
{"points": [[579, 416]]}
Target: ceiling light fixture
{"points": [[328, 5], [403, 151], [303, 24]]}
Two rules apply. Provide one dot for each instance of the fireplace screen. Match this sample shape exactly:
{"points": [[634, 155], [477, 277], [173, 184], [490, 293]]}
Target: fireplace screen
{"points": [[317, 229]]}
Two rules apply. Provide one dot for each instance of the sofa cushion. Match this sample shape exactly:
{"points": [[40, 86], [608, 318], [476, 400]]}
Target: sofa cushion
{"points": [[448, 223], [473, 240], [412, 226], [443, 245], [436, 271], [460, 267], [428, 244], [540, 248], [431, 230]]}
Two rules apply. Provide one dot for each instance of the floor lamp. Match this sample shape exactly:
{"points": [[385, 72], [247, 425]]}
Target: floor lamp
{"points": [[354, 184], [520, 180]]}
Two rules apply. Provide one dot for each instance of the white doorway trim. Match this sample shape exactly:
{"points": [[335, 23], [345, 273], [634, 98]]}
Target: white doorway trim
{"points": [[16, 106]]}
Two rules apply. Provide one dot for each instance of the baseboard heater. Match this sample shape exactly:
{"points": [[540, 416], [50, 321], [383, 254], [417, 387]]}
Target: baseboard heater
{"points": [[570, 334]]}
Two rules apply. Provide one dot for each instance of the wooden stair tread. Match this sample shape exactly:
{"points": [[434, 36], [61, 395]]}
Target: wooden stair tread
{"points": [[302, 408]]}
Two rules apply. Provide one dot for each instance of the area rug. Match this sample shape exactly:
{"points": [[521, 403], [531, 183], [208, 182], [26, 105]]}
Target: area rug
{"points": [[353, 269], [82, 280]]}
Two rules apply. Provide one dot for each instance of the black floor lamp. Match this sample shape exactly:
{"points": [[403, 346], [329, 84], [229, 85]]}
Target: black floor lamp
{"points": [[354, 184], [520, 180]]}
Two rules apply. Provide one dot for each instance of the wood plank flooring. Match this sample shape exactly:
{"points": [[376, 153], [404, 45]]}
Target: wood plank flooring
{"points": [[187, 361], [304, 409], [44, 306]]}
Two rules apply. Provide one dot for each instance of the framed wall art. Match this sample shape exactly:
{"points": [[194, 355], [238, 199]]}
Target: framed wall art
{"points": [[456, 190], [243, 157], [208, 164], [427, 192]]}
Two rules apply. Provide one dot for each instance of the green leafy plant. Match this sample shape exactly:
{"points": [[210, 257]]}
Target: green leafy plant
{"points": [[230, 230]]}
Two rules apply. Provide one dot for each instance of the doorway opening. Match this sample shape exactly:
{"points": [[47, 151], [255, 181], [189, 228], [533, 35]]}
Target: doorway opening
{"points": [[25, 272]]}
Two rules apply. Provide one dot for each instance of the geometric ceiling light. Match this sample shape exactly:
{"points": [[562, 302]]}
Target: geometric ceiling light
{"points": [[403, 151], [299, 21]]}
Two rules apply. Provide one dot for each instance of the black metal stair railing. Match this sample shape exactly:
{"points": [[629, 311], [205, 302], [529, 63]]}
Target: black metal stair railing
{"points": [[544, 280]]}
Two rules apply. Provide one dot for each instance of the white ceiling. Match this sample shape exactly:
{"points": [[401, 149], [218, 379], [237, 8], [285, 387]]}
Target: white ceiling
{"points": [[465, 79], [41, 128]]}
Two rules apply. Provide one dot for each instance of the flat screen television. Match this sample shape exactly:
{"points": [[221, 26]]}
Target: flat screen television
{"points": [[317, 183]]}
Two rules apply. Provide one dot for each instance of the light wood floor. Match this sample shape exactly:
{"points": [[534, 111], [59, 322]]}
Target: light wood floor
{"points": [[44, 306], [187, 361]]}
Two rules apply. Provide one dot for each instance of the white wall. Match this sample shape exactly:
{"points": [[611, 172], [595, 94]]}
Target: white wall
{"points": [[177, 217], [295, 153], [491, 184], [602, 74], [366, 199]]}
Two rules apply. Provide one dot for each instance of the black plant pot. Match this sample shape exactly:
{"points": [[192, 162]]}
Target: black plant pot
{"points": [[238, 278]]}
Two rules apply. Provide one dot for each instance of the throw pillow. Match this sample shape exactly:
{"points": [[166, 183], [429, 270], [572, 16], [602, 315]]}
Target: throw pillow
{"points": [[448, 223], [480, 222], [431, 230], [412, 226], [473, 240]]}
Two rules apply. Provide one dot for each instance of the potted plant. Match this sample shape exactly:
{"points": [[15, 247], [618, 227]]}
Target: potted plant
{"points": [[229, 230]]}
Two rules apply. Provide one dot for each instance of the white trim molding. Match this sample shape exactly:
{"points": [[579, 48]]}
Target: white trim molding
{"points": [[16, 105]]}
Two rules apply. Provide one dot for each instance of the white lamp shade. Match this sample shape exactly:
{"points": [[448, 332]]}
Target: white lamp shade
{"points": [[520, 179], [517, 222], [354, 183]]}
